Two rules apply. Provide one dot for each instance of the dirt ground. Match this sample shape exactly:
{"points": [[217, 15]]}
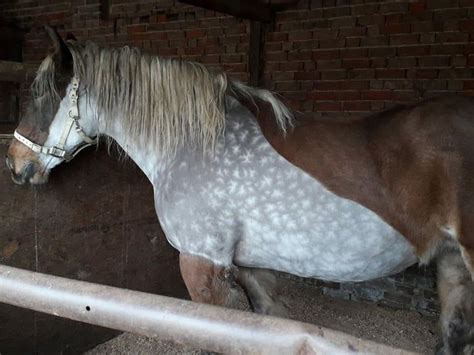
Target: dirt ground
{"points": [[403, 329]]}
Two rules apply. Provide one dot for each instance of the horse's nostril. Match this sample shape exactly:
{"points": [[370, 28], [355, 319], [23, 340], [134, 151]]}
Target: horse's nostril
{"points": [[28, 171], [9, 163]]}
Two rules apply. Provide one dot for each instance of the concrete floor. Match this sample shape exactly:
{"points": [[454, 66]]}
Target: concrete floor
{"points": [[402, 329]]}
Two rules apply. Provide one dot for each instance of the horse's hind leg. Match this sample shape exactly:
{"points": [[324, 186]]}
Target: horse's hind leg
{"points": [[261, 288], [456, 294], [209, 283]]}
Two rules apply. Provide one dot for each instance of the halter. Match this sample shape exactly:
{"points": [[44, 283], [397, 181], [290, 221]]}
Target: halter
{"points": [[58, 150]]}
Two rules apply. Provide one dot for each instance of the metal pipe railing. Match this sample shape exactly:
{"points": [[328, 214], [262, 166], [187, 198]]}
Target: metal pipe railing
{"points": [[197, 325]]}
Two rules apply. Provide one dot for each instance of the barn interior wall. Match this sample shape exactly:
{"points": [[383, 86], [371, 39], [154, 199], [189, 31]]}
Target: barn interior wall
{"points": [[325, 57], [94, 221]]}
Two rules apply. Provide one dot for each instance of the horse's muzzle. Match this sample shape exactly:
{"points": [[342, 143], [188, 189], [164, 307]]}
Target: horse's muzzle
{"points": [[26, 174]]}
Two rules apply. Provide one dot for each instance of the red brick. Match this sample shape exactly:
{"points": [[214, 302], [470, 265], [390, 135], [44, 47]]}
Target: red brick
{"points": [[417, 7], [356, 63], [377, 95], [394, 7], [327, 106], [468, 85], [195, 33], [328, 64], [424, 26], [300, 55], [402, 62], [422, 73], [452, 37], [394, 28], [283, 76], [327, 85], [353, 53], [404, 39], [311, 44], [300, 35], [231, 58], [355, 84], [441, 4], [471, 60], [307, 75], [352, 32], [446, 49], [467, 25], [277, 37], [325, 95], [434, 61], [382, 52], [361, 106], [276, 56], [332, 43], [390, 73], [365, 9], [413, 50], [353, 42], [361, 73], [333, 74], [404, 95], [324, 33]]}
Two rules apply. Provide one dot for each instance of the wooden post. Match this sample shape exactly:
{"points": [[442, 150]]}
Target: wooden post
{"points": [[256, 60]]}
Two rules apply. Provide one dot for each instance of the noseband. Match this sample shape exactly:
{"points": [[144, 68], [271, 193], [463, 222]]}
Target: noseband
{"points": [[58, 150]]}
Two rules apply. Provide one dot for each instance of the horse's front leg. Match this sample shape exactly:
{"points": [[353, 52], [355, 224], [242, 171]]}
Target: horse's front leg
{"points": [[456, 294], [208, 282]]}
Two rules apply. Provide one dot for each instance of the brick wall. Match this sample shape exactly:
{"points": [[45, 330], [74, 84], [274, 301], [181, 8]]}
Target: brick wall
{"points": [[326, 57], [356, 56]]}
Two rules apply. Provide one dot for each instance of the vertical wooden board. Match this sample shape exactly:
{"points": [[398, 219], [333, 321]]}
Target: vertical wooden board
{"points": [[256, 60], [94, 221]]}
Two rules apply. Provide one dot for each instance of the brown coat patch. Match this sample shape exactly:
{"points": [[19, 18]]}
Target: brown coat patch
{"points": [[413, 166]]}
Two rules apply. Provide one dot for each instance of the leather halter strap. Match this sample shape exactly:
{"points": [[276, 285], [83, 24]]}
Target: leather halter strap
{"points": [[58, 150]]}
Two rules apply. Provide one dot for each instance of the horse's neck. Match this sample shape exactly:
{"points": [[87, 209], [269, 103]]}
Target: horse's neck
{"points": [[154, 164], [151, 162]]}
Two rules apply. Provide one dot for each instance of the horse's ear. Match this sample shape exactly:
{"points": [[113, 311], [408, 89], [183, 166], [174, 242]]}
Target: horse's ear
{"points": [[70, 37], [62, 55]]}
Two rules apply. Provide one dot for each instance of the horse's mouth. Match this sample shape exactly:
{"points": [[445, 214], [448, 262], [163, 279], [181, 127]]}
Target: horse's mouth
{"points": [[30, 174]]}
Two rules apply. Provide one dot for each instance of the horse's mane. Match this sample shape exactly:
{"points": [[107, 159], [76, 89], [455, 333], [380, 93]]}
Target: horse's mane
{"points": [[163, 102]]}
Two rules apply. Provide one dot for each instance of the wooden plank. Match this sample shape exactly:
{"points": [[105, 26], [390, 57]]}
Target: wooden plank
{"points": [[16, 71], [257, 37], [104, 9], [247, 9]]}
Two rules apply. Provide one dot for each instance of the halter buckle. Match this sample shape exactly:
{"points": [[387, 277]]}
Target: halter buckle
{"points": [[57, 152], [73, 112]]}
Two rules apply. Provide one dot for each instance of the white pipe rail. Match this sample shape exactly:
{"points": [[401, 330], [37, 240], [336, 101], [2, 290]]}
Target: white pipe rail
{"points": [[197, 325]]}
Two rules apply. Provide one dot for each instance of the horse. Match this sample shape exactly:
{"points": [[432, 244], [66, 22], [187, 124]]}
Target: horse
{"points": [[244, 188]]}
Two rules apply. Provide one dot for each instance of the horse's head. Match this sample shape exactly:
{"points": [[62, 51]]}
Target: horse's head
{"points": [[50, 132]]}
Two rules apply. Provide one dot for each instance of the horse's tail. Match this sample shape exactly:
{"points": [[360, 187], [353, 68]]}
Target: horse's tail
{"points": [[283, 115]]}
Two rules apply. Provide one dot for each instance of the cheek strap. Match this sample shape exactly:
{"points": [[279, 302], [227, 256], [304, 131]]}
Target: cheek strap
{"points": [[58, 150]]}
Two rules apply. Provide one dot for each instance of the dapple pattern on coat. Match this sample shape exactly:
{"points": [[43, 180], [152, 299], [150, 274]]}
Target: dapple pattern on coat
{"points": [[247, 205], [329, 211]]}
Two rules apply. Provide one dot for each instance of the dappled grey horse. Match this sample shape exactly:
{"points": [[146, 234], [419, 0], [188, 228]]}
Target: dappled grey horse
{"points": [[240, 188]]}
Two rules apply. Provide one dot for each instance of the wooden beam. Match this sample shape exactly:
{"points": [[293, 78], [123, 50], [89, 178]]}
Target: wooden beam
{"points": [[281, 4], [257, 38], [16, 71], [247, 9], [104, 9]]}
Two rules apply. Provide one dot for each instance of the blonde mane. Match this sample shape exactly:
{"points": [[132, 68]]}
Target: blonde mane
{"points": [[162, 102]]}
